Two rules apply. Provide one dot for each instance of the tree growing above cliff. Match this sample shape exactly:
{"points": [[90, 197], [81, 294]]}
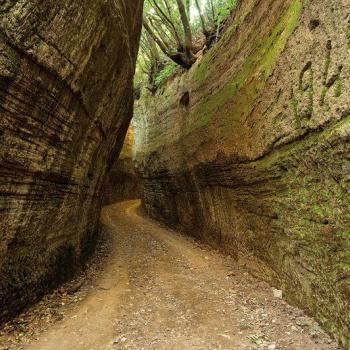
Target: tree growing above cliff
{"points": [[175, 31], [167, 24]]}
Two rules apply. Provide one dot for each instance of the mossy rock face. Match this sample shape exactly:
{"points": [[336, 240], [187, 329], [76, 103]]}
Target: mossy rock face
{"points": [[259, 158], [66, 70]]}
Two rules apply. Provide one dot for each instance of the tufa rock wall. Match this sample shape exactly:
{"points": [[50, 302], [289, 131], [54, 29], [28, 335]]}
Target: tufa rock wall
{"points": [[250, 150], [122, 182], [66, 70]]}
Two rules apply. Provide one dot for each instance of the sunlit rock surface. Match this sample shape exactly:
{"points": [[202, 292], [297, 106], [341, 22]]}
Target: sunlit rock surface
{"points": [[122, 182], [249, 150], [66, 71]]}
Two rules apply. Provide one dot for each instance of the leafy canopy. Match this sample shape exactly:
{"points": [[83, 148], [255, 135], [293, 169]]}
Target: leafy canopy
{"points": [[174, 32]]}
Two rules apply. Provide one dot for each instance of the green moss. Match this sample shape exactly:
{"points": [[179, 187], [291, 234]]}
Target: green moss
{"points": [[236, 99], [346, 235], [280, 36], [348, 35], [338, 88], [285, 151], [208, 65], [202, 70], [165, 74]]}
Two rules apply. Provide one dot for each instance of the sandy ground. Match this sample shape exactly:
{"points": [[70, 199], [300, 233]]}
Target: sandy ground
{"points": [[162, 291]]}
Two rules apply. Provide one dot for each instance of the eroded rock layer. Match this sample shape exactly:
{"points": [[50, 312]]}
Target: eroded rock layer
{"points": [[250, 150], [66, 70]]}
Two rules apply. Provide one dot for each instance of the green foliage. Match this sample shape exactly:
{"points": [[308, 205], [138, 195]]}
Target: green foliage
{"points": [[224, 9], [165, 73], [164, 36]]}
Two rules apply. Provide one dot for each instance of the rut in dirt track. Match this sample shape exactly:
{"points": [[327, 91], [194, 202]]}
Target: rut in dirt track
{"points": [[163, 291]]}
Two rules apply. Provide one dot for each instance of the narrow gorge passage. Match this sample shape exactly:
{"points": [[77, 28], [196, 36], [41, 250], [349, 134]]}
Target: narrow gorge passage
{"points": [[161, 290], [225, 120]]}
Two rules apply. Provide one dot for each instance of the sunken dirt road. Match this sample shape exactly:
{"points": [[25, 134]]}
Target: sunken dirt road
{"points": [[162, 291]]}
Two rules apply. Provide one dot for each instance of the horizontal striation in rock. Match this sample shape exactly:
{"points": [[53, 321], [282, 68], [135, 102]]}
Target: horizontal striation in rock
{"points": [[66, 72]]}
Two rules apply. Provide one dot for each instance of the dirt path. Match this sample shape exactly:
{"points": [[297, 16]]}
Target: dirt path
{"points": [[162, 291]]}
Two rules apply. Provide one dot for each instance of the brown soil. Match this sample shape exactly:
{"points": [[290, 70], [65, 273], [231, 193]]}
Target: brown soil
{"points": [[160, 290]]}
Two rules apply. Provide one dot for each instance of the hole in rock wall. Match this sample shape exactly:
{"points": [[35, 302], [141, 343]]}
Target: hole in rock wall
{"points": [[185, 99]]}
